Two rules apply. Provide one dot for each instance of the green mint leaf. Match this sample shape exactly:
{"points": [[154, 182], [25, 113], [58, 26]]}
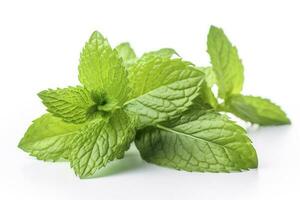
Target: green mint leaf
{"points": [[225, 62], [101, 141], [101, 69], [256, 110], [162, 88], [49, 138], [206, 98], [71, 104], [198, 141], [126, 52], [164, 52], [210, 76]]}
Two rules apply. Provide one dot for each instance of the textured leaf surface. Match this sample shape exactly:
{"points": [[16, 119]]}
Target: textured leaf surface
{"points": [[256, 110], [101, 69], [198, 142], [162, 88], [101, 141], [49, 138], [226, 63], [126, 52], [70, 103]]}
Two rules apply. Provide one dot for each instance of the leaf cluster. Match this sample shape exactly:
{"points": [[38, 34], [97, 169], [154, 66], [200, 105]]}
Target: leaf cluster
{"points": [[162, 103]]}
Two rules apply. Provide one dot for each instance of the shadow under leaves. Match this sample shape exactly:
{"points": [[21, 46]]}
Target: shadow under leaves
{"points": [[131, 161]]}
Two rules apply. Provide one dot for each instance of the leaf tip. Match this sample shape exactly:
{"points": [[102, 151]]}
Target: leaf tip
{"points": [[21, 144], [41, 94], [214, 28], [96, 35], [287, 120]]}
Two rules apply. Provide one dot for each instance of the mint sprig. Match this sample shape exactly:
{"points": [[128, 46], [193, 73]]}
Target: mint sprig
{"points": [[229, 72], [160, 101]]}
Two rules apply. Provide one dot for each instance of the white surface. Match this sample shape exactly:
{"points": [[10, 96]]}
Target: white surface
{"points": [[39, 48]]}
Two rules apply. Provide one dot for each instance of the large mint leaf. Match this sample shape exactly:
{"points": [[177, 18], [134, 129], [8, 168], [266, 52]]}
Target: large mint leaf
{"points": [[126, 53], [101, 141], [198, 141], [101, 69], [225, 62], [161, 88], [71, 104], [256, 110], [49, 138]]}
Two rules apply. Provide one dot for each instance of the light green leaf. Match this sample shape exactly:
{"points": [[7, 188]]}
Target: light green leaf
{"points": [[101, 141], [206, 98], [226, 63], [198, 141], [164, 52], [162, 88], [101, 69], [210, 76], [126, 53], [49, 138], [70, 103], [256, 110]]}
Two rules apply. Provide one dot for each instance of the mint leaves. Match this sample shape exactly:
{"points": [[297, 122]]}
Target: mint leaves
{"points": [[162, 88], [101, 141], [162, 103], [256, 110], [229, 70], [49, 138], [226, 63], [127, 54], [71, 104], [102, 71], [198, 141]]}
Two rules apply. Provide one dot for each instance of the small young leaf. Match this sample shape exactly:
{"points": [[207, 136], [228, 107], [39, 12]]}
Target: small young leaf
{"points": [[198, 141], [225, 62], [256, 110], [206, 95], [162, 88], [210, 76], [71, 104], [49, 138], [101, 141], [164, 53], [206, 98], [126, 52], [101, 69]]}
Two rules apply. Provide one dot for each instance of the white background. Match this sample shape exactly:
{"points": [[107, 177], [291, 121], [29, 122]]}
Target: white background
{"points": [[40, 42]]}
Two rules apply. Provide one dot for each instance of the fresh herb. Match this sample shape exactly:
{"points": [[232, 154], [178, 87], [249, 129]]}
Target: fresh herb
{"points": [[229, 72], [159, 101]]}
